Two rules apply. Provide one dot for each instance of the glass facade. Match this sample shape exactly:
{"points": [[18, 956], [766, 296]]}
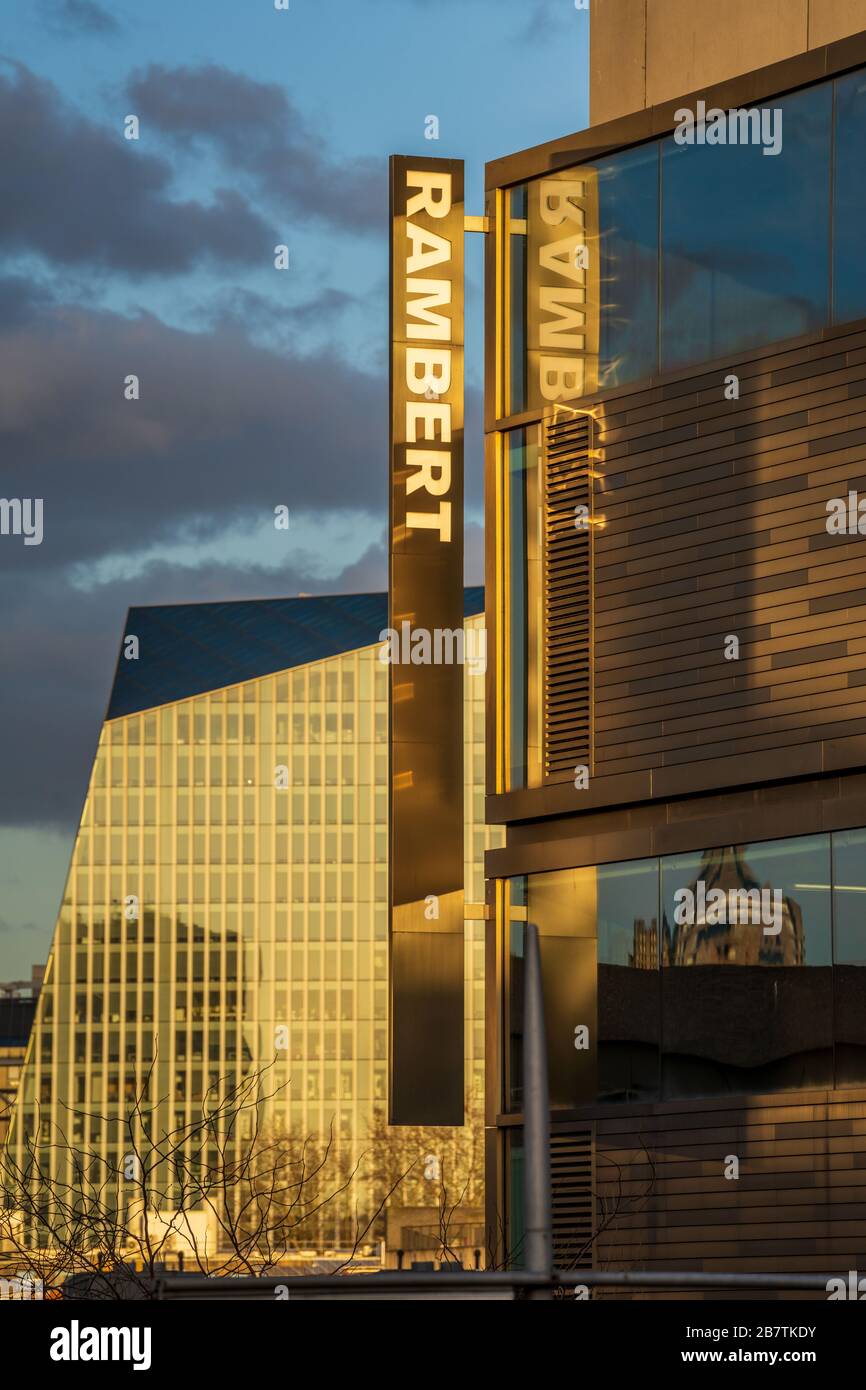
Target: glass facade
{"points": [[521, 650], [746, 238], [628, 189], [226, 910], [730, 971], [704, 250], [515, 375], [675, 982]]}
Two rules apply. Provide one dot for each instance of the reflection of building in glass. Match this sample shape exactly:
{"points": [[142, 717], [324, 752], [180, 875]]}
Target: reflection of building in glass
{"points": [[645, 951], [743, 941], [226, 905]]}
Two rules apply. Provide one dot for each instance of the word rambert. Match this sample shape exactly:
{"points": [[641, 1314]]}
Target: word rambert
{"points": [[755, 126]]}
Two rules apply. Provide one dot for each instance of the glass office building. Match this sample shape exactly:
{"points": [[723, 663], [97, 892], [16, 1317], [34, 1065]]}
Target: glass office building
{"points": [[676, 369], [226, 904]]}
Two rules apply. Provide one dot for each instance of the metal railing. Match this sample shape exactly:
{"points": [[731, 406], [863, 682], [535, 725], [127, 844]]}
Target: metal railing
{"points": [[468, 1284]]}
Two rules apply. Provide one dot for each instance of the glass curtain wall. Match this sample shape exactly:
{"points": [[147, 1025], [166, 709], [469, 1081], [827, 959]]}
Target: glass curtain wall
{"points": [[707, 249], [734, 970]]}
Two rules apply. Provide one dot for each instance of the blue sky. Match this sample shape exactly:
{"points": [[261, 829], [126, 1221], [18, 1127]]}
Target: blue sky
{"points": [[258, 387]]}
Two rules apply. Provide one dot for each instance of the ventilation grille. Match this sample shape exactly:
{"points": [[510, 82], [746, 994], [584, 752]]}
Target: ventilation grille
{"points": [[573, 1206], [567, 597]]}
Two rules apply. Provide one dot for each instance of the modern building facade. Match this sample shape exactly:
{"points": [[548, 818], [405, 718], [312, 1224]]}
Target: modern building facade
{"points": [[676, 356], [226, 904]]}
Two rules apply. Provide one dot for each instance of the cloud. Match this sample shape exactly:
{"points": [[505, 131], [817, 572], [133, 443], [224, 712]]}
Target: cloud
{"points": [[248, 309], [82, 17], [77, 193], [224, 431], [259, 134], [545, 20], [19, 297], [549, 19], [222, 428]]}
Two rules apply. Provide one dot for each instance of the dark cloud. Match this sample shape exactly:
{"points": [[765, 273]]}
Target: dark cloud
{"points": [[81, 17], [539, 20], [258, 133], [77, 193], [223, 430], [19, 297], [548, 19], [250, 310], [222, 427]]}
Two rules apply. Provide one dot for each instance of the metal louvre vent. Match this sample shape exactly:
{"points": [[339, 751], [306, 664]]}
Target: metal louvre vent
{"points": [[567, 596], [572, 1197]]}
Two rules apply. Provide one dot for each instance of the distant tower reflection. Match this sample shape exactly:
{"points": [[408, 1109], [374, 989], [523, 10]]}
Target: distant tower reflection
{"points": [[742, 942]]}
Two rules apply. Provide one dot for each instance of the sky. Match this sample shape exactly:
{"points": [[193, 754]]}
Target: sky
{"points": [[258, 387]]}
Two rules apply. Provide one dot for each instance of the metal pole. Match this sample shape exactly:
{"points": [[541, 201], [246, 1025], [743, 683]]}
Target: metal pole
{"points": [[536, 1119]]}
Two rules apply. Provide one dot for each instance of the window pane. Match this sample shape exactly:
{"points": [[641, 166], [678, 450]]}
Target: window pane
{"points": [[628, 198], [514, 1002], [598, 931], [747, 983], [628, 981], [745, 237], [522, 555], [563, 906], [591, 278], [516, 1230], [849, 199], [849, 911]]}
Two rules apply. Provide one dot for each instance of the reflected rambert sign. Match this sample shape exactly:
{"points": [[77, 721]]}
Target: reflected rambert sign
{"points": [[426, 590], [563, 287]]}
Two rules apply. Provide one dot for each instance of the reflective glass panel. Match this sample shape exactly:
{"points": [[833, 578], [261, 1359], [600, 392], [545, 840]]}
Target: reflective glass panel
{"points": [[628, 200], [747, 980], [745, 237], [849, 199], [849, 928], [628, 981]]}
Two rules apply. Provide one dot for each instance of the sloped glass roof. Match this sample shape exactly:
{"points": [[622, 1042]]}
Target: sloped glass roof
{"points": [[188, 648]]}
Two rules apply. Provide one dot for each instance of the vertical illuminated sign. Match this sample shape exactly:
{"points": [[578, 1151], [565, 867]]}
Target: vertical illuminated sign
{"points": [[562, 287], [426, 601]]}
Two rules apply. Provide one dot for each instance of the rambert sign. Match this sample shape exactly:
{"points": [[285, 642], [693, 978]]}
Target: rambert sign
{"points": [[426, 597]]}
